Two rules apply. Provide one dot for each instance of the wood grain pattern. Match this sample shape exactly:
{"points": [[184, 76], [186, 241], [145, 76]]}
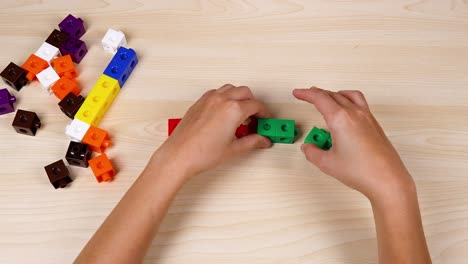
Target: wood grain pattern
{"points": [[410, 57]]}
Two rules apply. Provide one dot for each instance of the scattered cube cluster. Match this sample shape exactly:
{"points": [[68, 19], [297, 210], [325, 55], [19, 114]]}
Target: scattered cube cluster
{"points": [[53, 65]]}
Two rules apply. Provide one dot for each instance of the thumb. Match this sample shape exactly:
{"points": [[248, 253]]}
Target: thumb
{"points": [[314, 154], [249, 143]]}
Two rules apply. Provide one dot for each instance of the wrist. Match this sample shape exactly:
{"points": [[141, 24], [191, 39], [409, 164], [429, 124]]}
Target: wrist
{"points": [[167, 165], [397, 193]]}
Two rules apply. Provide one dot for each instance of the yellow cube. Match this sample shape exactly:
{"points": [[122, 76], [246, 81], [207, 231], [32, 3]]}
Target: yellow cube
{"points": [[89, 113], [98, 100]]}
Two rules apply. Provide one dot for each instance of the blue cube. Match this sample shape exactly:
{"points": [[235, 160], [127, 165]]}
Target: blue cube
{"points": [[122, 65]]}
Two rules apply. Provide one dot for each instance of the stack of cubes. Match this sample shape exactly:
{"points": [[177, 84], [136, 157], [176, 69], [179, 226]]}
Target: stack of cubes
{"points": [[83, 130]]}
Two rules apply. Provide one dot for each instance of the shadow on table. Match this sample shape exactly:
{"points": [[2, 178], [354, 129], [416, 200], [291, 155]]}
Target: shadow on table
{"points": [[324, 222]]}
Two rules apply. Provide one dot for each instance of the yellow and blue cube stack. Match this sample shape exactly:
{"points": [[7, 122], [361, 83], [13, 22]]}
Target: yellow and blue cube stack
{"points": [[107, 87]]}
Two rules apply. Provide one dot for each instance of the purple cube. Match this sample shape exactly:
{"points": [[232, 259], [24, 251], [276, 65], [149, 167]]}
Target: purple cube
{"points": [[76, 48], [6, 102], [73, 26]]}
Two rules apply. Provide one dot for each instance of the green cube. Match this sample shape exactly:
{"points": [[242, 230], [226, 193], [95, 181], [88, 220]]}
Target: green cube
{"points": [[277, 130], [319, 137]]}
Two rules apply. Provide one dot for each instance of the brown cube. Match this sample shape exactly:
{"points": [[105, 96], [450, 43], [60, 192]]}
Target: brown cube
{"points": [[78, 154], [26, 122], [58, 174], [14, 76], [70, 104], [57, 38]]}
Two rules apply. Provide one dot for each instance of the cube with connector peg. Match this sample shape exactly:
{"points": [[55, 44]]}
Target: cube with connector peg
{"points": [[277, 130], [122, 65], [73, 26], [47, 52], [26, 122], [78, 154], [64, 86], [320, 138], [113, 40], [64, 66], [97, 139], [76, 130], [34, 65], [70, 104], [47, 78], [57, 38], [76, 48], [6, 102], [102, 168], [58, 174], [14, 76]]}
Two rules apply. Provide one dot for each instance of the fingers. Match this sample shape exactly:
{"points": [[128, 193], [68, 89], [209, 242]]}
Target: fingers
{"points": [[356, 97], [236, 93], [253, 107], [225, 87], [341, 100], [321, 99], [315, 155], [249, 143], [239, 93]]}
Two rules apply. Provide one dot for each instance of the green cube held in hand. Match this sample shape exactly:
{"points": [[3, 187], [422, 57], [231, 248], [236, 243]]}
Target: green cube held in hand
{"points": [[320, 138], [277, 130]]}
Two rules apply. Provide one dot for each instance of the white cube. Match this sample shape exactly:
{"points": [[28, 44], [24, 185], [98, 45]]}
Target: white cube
{"points": [[47, 78], [113, 40], [77, 130], [47, 52]]}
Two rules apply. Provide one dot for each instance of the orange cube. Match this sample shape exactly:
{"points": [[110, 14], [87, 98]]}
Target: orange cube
{"points": [[65, 86], [33, 66], [64, 66], [97, 139], [102, 168]]}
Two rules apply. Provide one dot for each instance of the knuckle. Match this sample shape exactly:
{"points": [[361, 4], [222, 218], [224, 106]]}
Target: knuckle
{"points": [[342, 115], [227, 85], [209, 93], [362, 113], [341, 118], [233, 106], [216, 98], [245, 89]]}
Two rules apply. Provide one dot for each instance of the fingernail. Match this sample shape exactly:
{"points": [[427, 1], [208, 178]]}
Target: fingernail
{"points": [[302, 147], [266, 143]]}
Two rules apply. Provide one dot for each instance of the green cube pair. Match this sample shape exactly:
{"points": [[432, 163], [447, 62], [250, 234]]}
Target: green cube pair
{"points": [[277, 130], [320, 138]]}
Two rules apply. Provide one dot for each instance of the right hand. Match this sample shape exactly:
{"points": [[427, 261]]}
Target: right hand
{"points": [[205, 136], [362, 157]]}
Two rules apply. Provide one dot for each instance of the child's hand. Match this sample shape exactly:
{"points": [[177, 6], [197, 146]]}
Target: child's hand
{"points": [[362, 157], [205, 136]]}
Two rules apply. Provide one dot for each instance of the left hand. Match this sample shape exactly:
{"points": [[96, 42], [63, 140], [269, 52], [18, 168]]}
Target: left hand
{"points": [[205, 136]]}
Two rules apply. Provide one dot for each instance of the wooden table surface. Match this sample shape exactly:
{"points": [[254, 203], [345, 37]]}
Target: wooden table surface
{"points": [[409, 57]]}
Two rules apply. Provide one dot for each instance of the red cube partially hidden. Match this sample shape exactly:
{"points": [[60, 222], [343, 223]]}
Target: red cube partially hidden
{"points": [[172, 124]]}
